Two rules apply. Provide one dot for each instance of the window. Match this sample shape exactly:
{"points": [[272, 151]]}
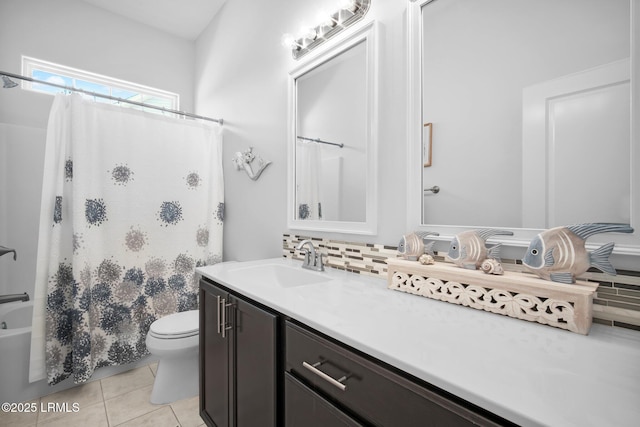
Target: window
{"points": [[96, 83]]}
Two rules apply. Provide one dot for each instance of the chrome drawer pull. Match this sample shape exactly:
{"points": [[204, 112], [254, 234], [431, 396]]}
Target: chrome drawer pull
{"points": [[219, 312], [224, 321], [314, 368]]}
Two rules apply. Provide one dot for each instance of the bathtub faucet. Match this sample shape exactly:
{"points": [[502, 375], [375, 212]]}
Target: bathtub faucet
{"points": [[4, 251], [14, 297]]}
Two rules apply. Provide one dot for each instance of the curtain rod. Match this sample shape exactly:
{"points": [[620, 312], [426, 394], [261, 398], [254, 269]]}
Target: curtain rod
{"points": [[318, 140], [113, 98]]}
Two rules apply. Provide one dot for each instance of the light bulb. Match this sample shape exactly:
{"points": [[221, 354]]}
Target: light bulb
{"points": [[323, 18], [307, 33], [350, 5], [321, 15], [288, 41]]}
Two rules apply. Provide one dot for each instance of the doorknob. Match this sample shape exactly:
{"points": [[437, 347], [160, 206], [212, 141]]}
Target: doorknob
{"points": [[435, 189]]}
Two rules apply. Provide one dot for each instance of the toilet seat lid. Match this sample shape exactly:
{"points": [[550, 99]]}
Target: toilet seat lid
{"points": [[180, 324]]}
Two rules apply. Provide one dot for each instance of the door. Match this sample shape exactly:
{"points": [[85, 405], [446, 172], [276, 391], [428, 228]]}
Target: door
{"points": [[255, 339], [587, 113], [238, 361], [215, 369]]}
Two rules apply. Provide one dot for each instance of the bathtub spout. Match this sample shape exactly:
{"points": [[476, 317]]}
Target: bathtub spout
{"points": [[14, 297], [4, 251]]}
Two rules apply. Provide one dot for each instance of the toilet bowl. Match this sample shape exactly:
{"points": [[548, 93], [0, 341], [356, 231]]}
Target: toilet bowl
{"points": [[174, 339]]}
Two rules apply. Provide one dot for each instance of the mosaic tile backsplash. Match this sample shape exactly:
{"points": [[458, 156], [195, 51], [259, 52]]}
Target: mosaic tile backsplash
{"points": [[617, 302]]}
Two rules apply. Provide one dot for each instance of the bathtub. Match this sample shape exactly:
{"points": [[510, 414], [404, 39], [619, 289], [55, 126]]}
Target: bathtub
{"points": [[15, 342], [16, 318], [15, 350]]}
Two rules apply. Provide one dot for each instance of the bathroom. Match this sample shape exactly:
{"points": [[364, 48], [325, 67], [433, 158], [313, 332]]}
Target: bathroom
{"points": [[232, 65]]}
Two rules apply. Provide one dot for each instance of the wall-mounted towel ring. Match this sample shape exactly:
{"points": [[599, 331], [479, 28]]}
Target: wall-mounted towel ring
{"points": [[243, 160]]}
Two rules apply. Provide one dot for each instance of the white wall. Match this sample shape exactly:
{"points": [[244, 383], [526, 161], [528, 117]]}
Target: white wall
{"points": [[76, 34], [241, 75], [21, 161]]}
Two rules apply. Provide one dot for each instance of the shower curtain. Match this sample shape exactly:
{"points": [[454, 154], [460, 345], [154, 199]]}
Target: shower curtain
{"points": [[132, 202], [308, 173]]}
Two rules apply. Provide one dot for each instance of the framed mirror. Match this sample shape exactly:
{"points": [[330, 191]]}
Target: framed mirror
{"points": [[332, 138], [531, 113]]}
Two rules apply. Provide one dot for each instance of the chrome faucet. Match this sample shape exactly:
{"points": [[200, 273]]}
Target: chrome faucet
{"points": [[312, 259]]}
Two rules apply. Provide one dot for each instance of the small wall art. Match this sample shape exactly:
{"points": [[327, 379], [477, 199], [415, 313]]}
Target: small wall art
{"points": [[243, 161]]}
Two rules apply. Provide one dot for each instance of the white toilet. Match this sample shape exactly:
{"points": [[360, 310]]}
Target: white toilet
{"points": [[174, 339]]}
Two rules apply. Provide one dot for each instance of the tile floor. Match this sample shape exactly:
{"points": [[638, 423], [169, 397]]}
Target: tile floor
{"points": [[120, 400]]}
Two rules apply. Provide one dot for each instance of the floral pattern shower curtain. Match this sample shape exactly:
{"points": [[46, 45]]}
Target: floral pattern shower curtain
{"points": [[132, 203], [308, 156]]}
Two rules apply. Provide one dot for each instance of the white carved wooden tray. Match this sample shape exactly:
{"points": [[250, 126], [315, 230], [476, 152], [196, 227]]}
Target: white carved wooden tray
{"points": [[518, 295]]}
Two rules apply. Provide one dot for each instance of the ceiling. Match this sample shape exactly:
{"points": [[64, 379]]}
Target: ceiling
{"points": [[183, 18]]}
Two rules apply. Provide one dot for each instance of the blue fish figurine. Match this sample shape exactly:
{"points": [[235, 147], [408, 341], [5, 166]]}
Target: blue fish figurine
{"points": [[412, 245], [468, 249], [559, 255]]}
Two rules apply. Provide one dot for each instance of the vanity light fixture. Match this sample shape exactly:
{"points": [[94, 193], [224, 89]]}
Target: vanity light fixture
{"points": [[346, 14]]}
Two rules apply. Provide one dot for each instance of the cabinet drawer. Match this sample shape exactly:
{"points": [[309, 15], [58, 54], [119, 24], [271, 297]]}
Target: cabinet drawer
{"points": [[303, 407], [374, 393]]}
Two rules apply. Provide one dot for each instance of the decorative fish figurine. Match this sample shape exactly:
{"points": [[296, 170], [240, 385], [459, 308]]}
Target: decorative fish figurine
{"points": [[412, 245], [559, 255], [468, 249]]}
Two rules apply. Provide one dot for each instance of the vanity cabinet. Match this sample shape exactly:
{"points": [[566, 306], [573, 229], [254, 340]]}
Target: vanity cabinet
{"points": [[262, 368], [238, 360]]}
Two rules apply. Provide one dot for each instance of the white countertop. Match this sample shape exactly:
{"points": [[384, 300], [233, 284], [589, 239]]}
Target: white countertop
{"points": [[528, 373]]}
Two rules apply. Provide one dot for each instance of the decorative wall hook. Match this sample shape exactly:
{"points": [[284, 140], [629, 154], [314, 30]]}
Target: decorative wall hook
{"points": [[243, 160]]}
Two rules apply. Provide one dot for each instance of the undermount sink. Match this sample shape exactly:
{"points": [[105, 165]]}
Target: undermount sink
{"points": [[282, 275]]}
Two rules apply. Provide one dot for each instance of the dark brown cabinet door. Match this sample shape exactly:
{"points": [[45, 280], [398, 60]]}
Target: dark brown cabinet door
{"points": [[238, 361], [214, 359], [304, 408], [254, 336]]}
